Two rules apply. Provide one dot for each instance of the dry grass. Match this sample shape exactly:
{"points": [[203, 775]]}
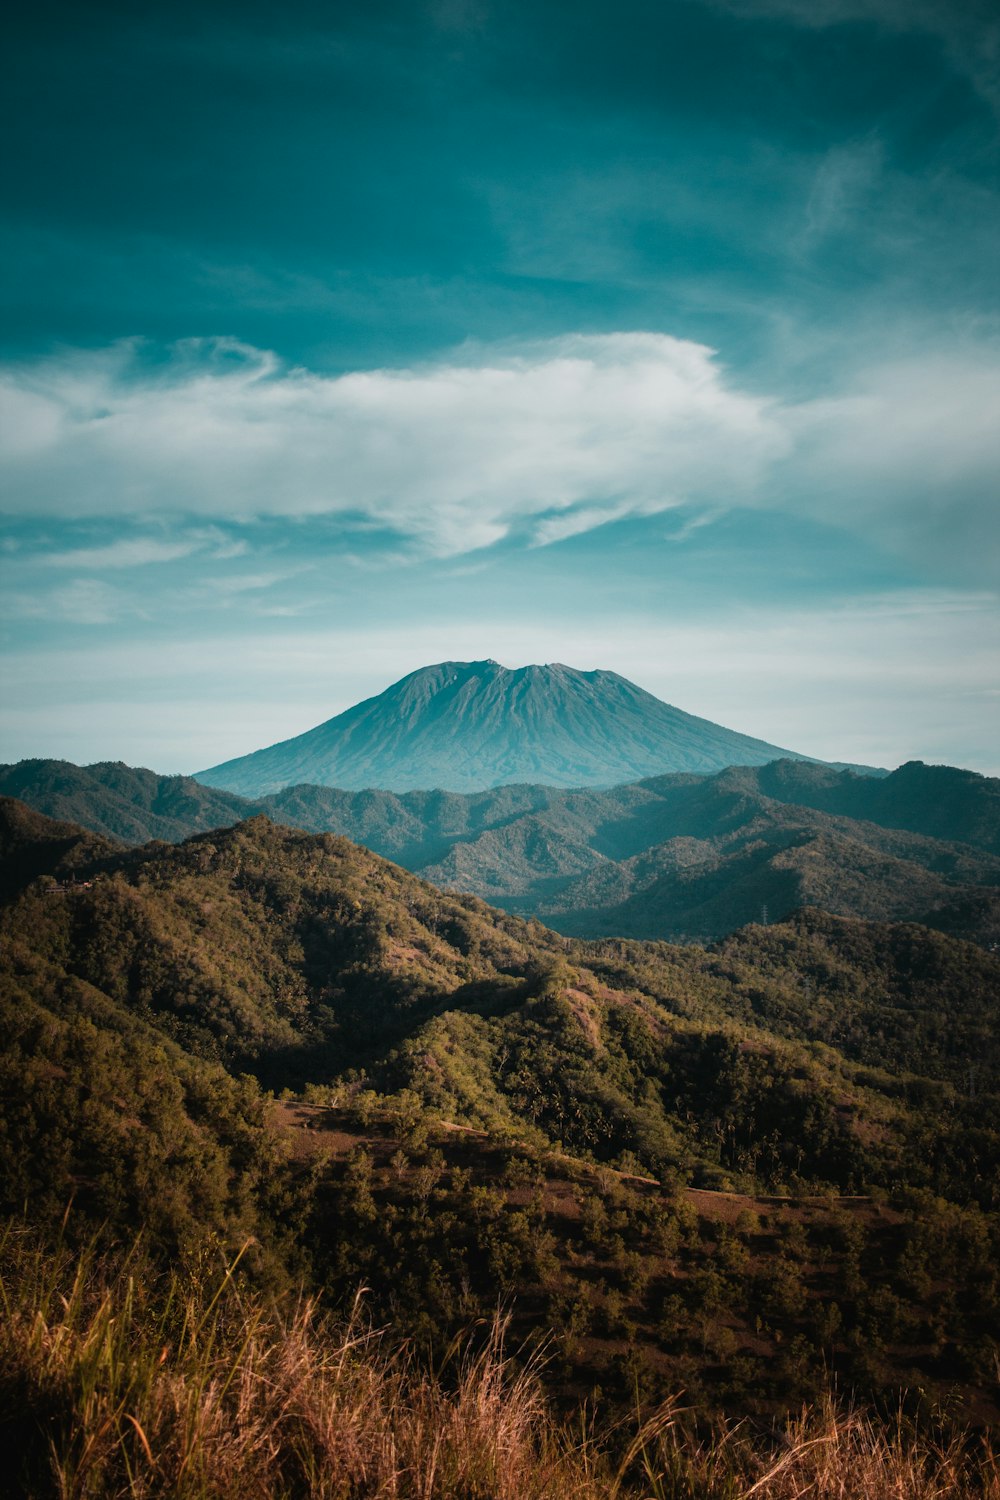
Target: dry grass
{"points": [[109, 1388], [826, 1453], [105, 1391]]}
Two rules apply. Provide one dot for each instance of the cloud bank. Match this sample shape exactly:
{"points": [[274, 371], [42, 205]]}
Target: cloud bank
{"points": [[541, 444], [456, 455]]}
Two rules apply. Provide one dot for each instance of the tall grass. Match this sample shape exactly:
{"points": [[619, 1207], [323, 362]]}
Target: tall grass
{"points": [[109, 1389], [113, 1385], [826, 1453]]}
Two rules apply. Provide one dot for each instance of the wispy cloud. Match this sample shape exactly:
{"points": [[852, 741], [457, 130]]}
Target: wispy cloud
{"points": [[172, 542], [843, 184], [579, 519], [83, 601], [134, 553], [246, 583]]}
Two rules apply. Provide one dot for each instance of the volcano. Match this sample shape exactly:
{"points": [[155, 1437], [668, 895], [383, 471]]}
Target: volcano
{"points": [[467, 726]]}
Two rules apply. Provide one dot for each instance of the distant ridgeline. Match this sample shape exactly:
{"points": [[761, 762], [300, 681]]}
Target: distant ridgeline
{"points": [[676, 856], [732, 1171]]}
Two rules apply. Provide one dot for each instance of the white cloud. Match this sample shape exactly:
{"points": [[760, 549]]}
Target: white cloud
{"points": [[546, 442], [584, 518], [453, 454], [246, 583]]}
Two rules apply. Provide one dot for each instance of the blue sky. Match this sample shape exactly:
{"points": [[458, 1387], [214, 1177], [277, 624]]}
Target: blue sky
{"points": [[342, 339]]}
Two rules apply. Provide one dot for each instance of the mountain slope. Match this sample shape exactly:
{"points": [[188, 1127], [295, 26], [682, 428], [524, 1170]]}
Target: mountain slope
{"points": [[698, 857], [943, 802], [676, 855], [298, 957], [32, 845], [772, 866], [462, 726]]}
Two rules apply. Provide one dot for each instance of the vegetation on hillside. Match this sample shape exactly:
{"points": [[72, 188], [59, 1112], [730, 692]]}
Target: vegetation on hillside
{"points": [[678, 857], [114, 1382], [735, 1170]]}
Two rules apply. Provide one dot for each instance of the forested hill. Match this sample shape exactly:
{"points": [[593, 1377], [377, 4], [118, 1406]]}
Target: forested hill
{"points": [[300, 957], [675, 856], [122, 802], [32, 845], [942, 802], [728, 1170]]}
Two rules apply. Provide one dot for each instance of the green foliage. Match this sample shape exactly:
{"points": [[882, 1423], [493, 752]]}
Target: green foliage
{"points": [[493, 1097], [674, 856]]}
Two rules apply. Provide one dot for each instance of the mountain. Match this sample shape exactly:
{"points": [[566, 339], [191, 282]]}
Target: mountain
{"points": [[774, 864], [462, 726], [697, 857], [943, 802], [676, 855]]}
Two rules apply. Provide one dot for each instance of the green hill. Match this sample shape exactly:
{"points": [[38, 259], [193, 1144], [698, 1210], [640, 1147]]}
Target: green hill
{"points": [[122, 802], [771, 864], [677, 856], [305, 959], [672, 1162]]}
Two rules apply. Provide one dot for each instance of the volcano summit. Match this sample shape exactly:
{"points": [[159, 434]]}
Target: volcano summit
{"points": [[466, 726]]}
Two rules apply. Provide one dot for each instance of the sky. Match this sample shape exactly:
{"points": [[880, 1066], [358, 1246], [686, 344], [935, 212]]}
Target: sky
{"points": [[660, 336]]}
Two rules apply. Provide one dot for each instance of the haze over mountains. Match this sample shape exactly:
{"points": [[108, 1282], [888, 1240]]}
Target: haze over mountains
{"points": [[463, 726]]}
